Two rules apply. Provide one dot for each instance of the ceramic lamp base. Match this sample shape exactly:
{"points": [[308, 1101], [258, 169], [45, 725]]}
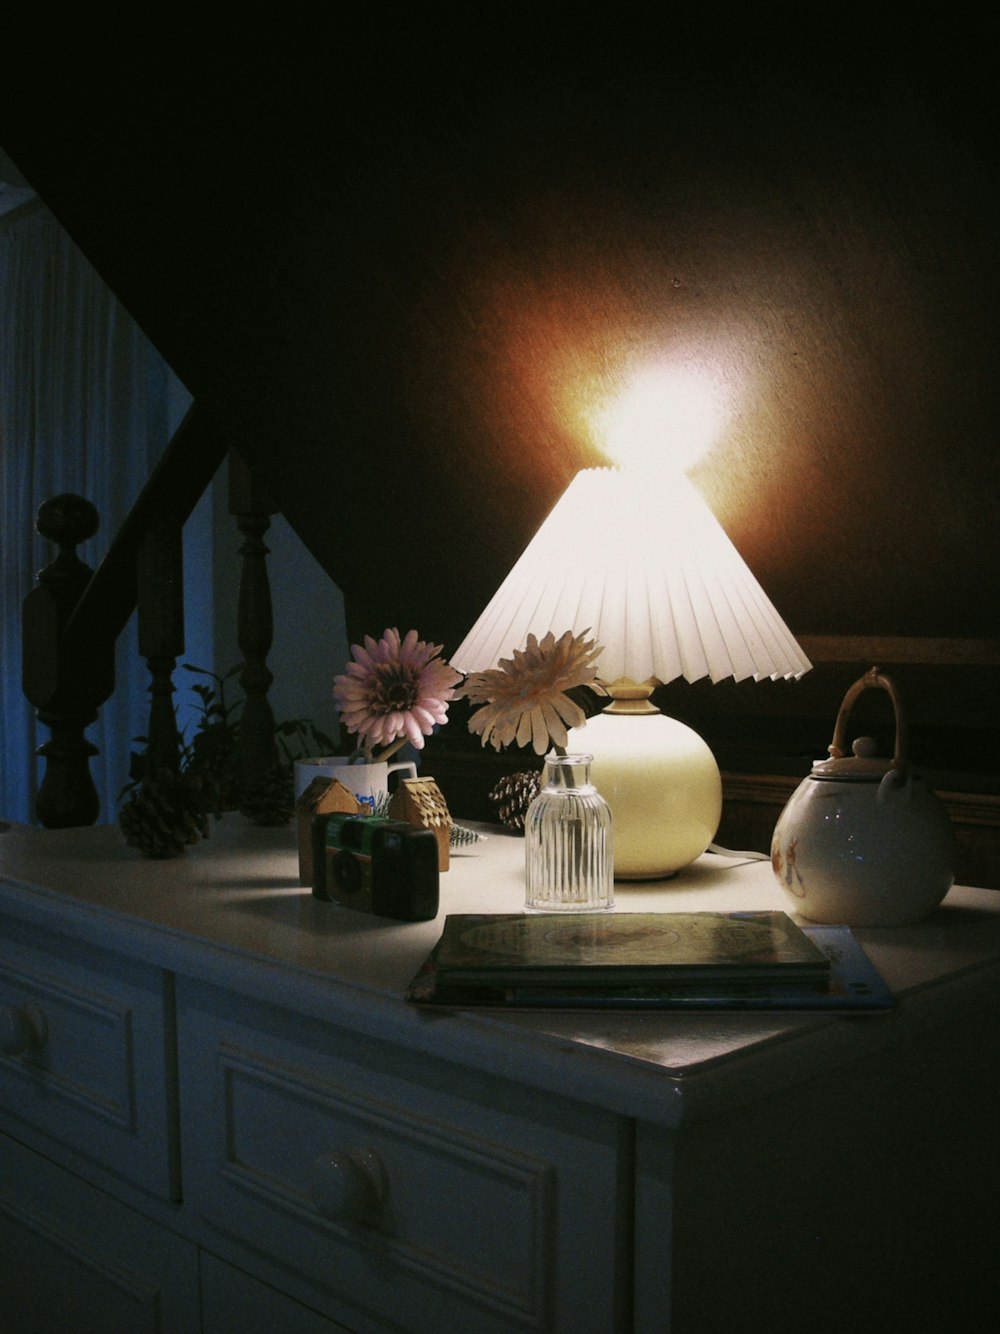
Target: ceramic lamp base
{"points": [[662, 784]]}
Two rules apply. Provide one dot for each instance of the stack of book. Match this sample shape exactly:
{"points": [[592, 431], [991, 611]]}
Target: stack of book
{"points": [[662, 960]]}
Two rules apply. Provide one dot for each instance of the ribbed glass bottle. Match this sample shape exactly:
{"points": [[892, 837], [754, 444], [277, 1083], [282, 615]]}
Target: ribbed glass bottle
{"points": [[568, 842]]}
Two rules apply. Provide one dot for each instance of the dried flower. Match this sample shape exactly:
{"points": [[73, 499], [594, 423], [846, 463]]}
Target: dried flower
{"points": [[524, 699], [394, 691]]}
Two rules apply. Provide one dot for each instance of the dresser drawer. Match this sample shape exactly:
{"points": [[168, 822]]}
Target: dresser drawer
{"points": [[87, 1054], [74, 1260], [395, 1188]]}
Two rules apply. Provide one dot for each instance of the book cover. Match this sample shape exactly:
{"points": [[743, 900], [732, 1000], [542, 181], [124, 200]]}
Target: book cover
{"points": [[546, 949], [851, 983]]}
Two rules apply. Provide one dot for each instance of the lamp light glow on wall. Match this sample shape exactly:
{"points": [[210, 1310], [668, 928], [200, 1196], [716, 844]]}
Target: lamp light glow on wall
{"points": [[635, 557]]}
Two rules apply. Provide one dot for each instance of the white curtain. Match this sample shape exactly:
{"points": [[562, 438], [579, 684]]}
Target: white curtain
{"points": [[86, 406]]}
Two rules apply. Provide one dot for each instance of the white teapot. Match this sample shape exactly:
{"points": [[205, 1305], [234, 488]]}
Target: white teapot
{"points": [[863, 841]]}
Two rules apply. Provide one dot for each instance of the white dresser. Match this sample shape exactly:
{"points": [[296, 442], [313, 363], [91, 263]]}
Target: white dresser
{"points": [[217, 1114]]}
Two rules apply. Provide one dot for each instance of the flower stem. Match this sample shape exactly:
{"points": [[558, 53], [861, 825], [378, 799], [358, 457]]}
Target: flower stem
{"points": [[389, 751]]}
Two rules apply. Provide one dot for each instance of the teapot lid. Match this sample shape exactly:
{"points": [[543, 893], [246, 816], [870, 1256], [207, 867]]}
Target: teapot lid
{"points": [[863, 765]]}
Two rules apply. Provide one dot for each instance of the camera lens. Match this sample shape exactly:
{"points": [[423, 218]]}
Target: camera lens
{"points": [[347, 872]]}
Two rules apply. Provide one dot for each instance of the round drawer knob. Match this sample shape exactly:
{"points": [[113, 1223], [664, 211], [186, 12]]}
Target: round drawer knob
{"points": [[349, 1185], [22, 1029]]}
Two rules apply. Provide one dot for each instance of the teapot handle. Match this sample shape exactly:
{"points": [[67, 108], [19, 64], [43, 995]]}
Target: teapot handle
{"points": [[838, 747]]}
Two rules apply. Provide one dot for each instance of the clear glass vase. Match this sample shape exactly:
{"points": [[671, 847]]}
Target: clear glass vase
{"points": [[568, 847]]}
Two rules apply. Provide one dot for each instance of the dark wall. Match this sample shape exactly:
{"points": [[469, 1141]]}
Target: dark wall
{"points": [[396, 264]]}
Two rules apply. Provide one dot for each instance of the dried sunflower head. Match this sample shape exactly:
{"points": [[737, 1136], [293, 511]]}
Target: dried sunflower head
{"points": [[524, 700]]}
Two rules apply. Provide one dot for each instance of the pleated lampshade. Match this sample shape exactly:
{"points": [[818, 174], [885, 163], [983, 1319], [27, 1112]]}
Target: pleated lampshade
{"points": [[651, 574], [647, 571]]}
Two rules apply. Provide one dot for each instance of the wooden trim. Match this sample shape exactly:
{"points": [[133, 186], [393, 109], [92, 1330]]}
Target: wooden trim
{"points": [[969, 808], [759, 789], [981, 809], [879, 649]]}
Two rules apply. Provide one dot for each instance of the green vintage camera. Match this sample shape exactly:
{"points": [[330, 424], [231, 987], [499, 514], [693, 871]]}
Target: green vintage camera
{"points": [[386, 867]]}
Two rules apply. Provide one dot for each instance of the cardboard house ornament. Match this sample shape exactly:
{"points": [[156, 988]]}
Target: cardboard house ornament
{"points": [[323, 796], [420, 802]]}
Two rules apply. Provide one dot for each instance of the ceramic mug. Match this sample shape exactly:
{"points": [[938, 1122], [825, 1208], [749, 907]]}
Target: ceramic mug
{"points": [[369, 782]]}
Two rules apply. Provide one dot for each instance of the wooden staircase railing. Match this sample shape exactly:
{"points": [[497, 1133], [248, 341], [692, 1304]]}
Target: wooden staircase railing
{"points": [[252, 506], [73, 617]]}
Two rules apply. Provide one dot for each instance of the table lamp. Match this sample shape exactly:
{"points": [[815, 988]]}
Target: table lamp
{"points": [[642, 565]]}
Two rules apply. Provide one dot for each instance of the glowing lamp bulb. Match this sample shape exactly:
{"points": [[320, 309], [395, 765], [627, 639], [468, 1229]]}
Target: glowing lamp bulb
{"points": [[665, 418]]}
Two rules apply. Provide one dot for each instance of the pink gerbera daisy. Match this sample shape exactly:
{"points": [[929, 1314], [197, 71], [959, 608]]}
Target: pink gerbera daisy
{"points": [[394, 691]]}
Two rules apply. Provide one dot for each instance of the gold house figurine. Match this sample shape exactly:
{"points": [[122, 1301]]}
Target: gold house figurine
{"points": [[323, 796], [420, 802]]}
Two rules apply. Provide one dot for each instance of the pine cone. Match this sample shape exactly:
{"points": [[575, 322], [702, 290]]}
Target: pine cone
{"points": [[270, 801], [512, 796], [161, 817]]}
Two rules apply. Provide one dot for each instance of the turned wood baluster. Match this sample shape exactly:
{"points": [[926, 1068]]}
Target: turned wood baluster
{"points": [[160, 601], [65, 681], [250, 503]]}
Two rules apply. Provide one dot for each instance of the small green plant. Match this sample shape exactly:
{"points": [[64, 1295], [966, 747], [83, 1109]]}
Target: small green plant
{"points": [[208, 779], [213, 753]]}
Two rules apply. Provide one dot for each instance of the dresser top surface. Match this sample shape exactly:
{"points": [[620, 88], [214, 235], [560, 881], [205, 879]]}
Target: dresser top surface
{"points": [[232, 911]]}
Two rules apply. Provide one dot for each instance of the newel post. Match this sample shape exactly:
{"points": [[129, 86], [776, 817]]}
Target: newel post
{"points": [[63, 679]]}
